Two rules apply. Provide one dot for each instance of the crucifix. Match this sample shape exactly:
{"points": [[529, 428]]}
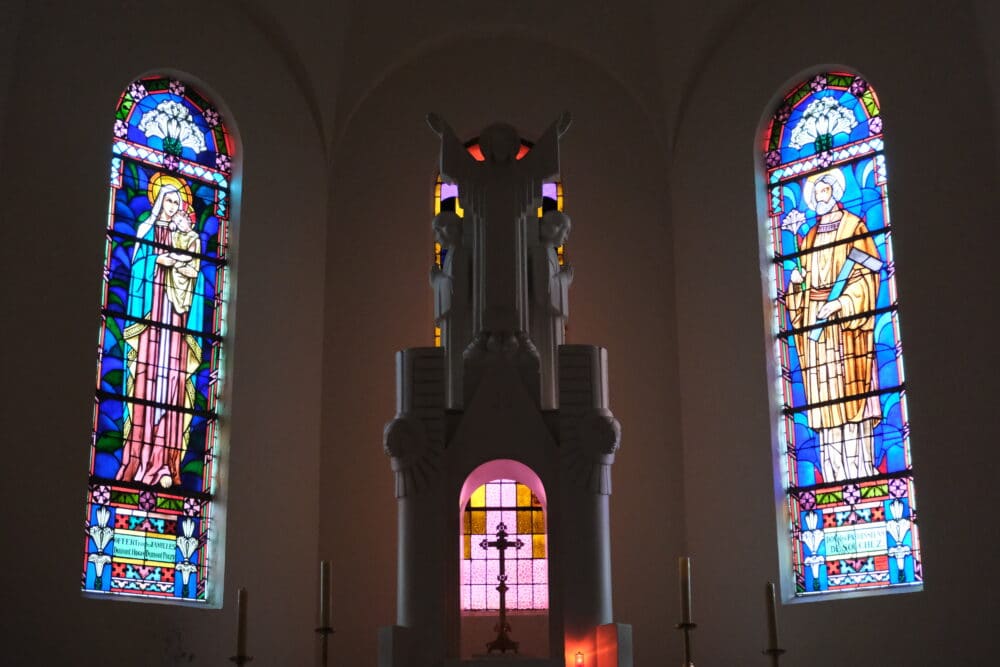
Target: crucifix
{"points": [[503, 642]]}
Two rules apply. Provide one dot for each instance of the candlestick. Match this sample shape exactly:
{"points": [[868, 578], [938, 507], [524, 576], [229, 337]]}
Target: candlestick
{"points": [[242, 600], [686, 626], [684, 567], [772, 616], [772, 625], [324, 630], [324, 594]]}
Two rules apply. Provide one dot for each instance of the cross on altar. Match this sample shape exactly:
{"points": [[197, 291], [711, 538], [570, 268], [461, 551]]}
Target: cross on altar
{"points": [[503, 642]]}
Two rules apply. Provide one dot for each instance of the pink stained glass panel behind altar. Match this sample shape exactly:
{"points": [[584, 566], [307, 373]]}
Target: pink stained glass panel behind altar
{"points": [[506, 502]]}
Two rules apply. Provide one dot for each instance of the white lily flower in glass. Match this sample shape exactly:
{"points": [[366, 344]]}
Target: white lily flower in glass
{"points": [[188, 544], [813, 537], [898, 527], [101, 534], [173, 123], [823, 117]]}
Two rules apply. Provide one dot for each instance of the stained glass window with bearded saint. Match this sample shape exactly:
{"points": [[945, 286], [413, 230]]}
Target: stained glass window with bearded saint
{"points": [[842, 431], [148, 529]]}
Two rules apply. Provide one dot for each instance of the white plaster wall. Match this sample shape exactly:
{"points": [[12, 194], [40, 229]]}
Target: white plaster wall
{"points": [[378, 300], [926, 65], [72, 63]]}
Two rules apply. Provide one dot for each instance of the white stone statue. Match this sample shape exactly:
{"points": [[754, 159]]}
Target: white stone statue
{"points": [[549, 298], [450, 283]]}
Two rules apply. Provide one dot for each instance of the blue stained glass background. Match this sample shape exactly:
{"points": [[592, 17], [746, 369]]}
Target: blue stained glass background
{"points": [[863, 197], [131, 208]]}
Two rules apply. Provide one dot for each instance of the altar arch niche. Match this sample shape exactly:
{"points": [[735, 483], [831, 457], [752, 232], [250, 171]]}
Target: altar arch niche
{"points": [[149, 521], [519, 508], [842, 429]]}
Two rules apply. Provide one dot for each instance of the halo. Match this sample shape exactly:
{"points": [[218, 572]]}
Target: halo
{"points": [[159, 179], [808, 192]]}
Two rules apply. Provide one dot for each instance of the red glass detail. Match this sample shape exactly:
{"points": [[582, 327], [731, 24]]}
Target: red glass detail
{"points": [[476, 152]]}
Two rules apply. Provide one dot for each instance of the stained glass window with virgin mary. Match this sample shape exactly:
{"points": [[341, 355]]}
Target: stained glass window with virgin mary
{"points": [[149, 526], [842, 429]]}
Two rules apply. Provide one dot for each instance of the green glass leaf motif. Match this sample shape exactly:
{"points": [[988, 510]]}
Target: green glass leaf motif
{"points": [[876, 491], [125, 498], [113, 328], [829, 497], [124, 108], [195, 467], [871, 106], [173, 504], [114, 378], [109, 441], [799, 94], [173, 145]]}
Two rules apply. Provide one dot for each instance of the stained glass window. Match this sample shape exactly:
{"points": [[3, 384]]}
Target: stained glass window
{"points": [[446, 198], [507, 503], [843, 423], [160, 356]]}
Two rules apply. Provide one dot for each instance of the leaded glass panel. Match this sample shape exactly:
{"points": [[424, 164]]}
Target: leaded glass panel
{"points": [[160, 346], [843, 426], [513, 504]]}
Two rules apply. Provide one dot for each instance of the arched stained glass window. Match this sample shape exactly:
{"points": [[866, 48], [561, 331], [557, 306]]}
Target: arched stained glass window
{"points": [[511, 506], [148, 528], [446, 198], [845, 459]]}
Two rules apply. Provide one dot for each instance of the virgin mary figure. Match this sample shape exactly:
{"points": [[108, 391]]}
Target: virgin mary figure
{"points": [[163, 345]]}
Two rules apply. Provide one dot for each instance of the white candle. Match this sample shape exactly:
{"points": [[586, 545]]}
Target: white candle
{"points": [[324, 594], [772, 616], [684, 567], [242, 601]]}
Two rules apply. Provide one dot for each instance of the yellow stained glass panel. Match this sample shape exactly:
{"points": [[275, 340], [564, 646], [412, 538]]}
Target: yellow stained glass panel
{"points": [[538, 546], [524, 521], [478, 522], [478, 498], [537, 522], [467, 547]]}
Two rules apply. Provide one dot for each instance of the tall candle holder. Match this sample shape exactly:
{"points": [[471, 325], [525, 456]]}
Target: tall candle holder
{"points": [[324, 634], [686, 628], [772, 649], [242, 604]]}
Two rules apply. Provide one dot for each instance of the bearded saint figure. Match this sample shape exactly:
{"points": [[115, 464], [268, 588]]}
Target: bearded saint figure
{"points": [[837, 360], [162, 342]]}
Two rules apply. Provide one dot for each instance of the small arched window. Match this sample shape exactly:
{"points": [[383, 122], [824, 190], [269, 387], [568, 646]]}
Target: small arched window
{"points": [[844, 454], [504, 504], [149, 524]]}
